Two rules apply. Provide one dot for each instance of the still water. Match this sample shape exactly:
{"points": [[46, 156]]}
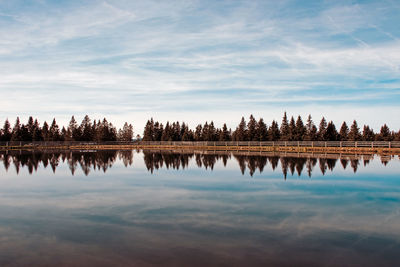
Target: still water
{"points": [[146, 208]]}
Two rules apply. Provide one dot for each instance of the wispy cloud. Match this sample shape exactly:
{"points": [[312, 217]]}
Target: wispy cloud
{"points": [[134, 59]]}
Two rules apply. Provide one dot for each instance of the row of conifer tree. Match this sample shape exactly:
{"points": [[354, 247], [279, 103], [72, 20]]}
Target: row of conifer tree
{"points": [[253, 130], [99, 131]]}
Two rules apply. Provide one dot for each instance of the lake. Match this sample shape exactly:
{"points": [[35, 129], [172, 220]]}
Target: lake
{"points": [[175, 208]]}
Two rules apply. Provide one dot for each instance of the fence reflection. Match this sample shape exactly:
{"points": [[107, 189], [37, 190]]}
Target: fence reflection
{"points": [[290, 163]]}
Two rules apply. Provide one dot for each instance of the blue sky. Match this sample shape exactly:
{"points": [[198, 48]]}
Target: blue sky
{"points": [[200, 60]]}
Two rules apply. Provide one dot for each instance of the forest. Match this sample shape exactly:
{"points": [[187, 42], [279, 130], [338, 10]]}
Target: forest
{"points": [[99, 131], [253, 130], [289, 130]]}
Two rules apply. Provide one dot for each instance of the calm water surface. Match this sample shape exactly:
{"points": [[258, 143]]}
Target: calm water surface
{"points": [[147, 208]]}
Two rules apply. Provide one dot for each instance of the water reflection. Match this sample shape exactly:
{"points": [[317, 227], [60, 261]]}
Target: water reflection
{"points": [[197, 217], [290, 163]]}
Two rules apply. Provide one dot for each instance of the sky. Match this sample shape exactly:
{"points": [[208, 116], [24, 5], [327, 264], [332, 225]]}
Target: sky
{"points": [[198, 61]]}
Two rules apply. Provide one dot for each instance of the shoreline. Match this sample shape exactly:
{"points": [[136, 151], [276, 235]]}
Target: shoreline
{"points": [[386, 148]]}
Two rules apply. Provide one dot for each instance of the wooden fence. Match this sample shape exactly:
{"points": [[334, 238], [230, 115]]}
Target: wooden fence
{"points": [[134, 144]]}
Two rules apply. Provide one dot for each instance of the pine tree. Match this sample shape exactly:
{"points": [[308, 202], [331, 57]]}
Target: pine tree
{"points": [[284, 133], [86, 129], [24, 133], [300, 129], [198, 133], [368, 134], [158, 129], [37, 132], [204, 133], [166, 135], [292, 129], [262, 131], [322, 129], [224, 135], [251, 129], [311, 130], [30, 126], [344, 132], [354, 133], [385, 134], [331, 133], [16, 132], [126, 133], [74, 130], [54, 131], [176, 131], [241, 131], [63, 134], [6, 131], [212, 135], [45, 132], [273, 131], [148, 133]]}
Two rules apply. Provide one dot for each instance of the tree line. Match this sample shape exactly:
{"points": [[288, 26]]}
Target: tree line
{"points": [[87, 130], [254, 130], [257, 130]]}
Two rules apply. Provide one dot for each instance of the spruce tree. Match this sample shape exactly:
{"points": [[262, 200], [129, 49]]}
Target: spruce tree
{"points": [[16, 132], [354, 133], [262, 130], [166, 135], [6, 131], [344, 132], [284, 132], [331, 133], [251, 129], [148, 133], [74, 130], [241, 131], [292, 129], [385, 134], [30, 126], [224, 135], [300, 129], [45, 132], [273, 131], [54, 131], [204, 133], [368, 134], [198, 133], [311, 130], [37, 132], [322, 129], [212, 134], [86, 129]]}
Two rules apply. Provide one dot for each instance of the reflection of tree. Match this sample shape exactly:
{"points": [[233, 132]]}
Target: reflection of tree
{"points": [[87, 160], [311, 162], [344, 163], [154, 160], [322, 165], [354, 164], [331, 163]]}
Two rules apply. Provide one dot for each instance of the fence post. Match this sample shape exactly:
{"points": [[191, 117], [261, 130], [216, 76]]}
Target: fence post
{"points": [[355, 144], [325, 144], [312, 143], [372, 144], [390, 144]]}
